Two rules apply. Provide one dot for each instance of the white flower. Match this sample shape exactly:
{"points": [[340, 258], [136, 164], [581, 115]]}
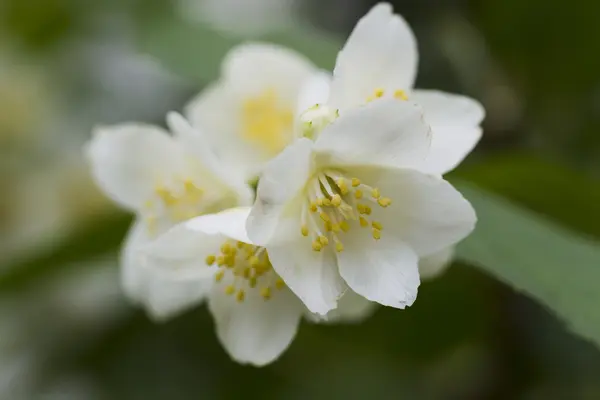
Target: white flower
{"points": [[164, 179], [352, 207], [380, 60], [249, 113], [256, 315]]}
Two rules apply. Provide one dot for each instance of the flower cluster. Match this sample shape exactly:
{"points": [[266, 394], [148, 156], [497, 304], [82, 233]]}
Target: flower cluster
{"points": [[350, 210]]}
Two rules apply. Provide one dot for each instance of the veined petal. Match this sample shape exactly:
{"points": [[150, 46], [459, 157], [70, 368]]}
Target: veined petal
{"points": [[255, 331], [384, 271], [315, 90], [385, 132], [281, 182], [455, 124], [426, 212], [133, 279], [352, 308], [128, 160], [311, 275], [381, 52], [435, 264]]}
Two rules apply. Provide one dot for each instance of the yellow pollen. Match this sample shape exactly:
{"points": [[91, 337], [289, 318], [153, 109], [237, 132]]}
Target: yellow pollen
{"points": [[252, 282], [400, 95], [324, 217], [317, 246], [375, 193], [246, 273], [384, 201], [323, 240], [239, 245], [326, 202], [376, 234], [226, 248], [266, 293], [210, 260], [339, 247], [376, 225], [219, 276], [240, 296], [344, 226], [336, 200], [279, 283], [358, 194], [343, 186], [220, 260], [363, 221], [335, 227], [313, 207], [355, 182], [253, 261], [304, 230], [379, 92], [328, 227], [229, 290]]}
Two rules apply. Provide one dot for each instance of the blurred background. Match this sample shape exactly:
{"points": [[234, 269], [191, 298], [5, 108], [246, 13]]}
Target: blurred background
{"points": [[66, 332]]}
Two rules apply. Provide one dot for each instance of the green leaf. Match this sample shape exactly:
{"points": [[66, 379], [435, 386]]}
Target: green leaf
{"points": [[548, 262], [195, 51]]}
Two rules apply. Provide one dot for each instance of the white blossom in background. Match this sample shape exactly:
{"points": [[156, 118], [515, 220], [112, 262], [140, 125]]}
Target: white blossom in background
{"points": [[244, 18], [164, 179], [379, 61], [256, 314], [249, 112]]}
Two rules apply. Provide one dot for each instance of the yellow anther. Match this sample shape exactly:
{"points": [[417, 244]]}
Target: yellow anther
{"points": [[327, 226], [210, 259], [375, 193], [239, 245], [363, 221], [230, 261], [363, 209], [279, 283], [384, 201], [326, 202], [358, 194], [229, 290], [304, 230], [313, 206], [323, 240], [344, 226], [252, 282], [336, 200], [400, 95], [335, 227], [339, 247], [265, 293], [342, 185], [219, 276], [379, 92], [246, 273], [370, 99], [368, 210], [253, 261], [376, 234], [320, 201], [240, 296], [317, 246], [226, 248], [221, 261], [324, 217], [377, 225]]}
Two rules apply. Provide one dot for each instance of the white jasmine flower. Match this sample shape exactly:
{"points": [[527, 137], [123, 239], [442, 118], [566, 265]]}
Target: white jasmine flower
{"points": [[351, 206], [256, 315], [164, 179], [380, 60], [249, 113]]}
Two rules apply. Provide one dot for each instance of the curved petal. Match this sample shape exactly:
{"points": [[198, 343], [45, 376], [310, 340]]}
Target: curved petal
{"points": [[384, 271], [255, 331], [352, 308], [133, 279], [386, 132], [455, 121], [426, 212], [281, 182], [311, 275], [435, 264], [315, 90], [128, 160], [381, 52]]}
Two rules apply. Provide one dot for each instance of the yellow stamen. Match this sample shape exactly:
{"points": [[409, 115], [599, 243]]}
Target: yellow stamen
{"points": [[339, 247], [363, 221], [265, 293], [355, 182], [336, 200], [210, 259], [304, 230], [219, 276], [240, 296], [324, 217], [376, 234], [384, 201], [379, 92], [323, 240], [279, 283], [317, 246], [313, 207], [375, 193], [400, 95], [358, 194], [229, 290], [377, 225], [344, 226]]}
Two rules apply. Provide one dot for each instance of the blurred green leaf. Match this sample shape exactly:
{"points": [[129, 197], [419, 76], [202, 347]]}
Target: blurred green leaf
{"points": [[548, 262], [195, 51]]}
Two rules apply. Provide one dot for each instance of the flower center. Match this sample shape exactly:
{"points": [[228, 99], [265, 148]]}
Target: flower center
{"points": [[250, 268], [266, 123], [335, 204]]}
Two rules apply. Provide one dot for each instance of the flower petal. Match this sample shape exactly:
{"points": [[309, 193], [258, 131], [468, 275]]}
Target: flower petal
{"points": [[255, 331], [315, 90], [352, 308], [128, 159], [282, 180], [133, 279], [311, 275], [455, 124], [381, 52], [435, 264], [384, 271], [426, 212], [385, 132]]}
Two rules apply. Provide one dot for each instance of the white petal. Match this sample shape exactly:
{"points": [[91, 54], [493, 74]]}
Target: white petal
{"points": [[455, 124], [133, 279], [230, 223], [281, 182], [352, 308], [312, 276], [315, 90], [426, 212], [435, 264], [252, 68], [381, 52], [385, 132], [255, 331], [384, 271], [128, 160]]}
